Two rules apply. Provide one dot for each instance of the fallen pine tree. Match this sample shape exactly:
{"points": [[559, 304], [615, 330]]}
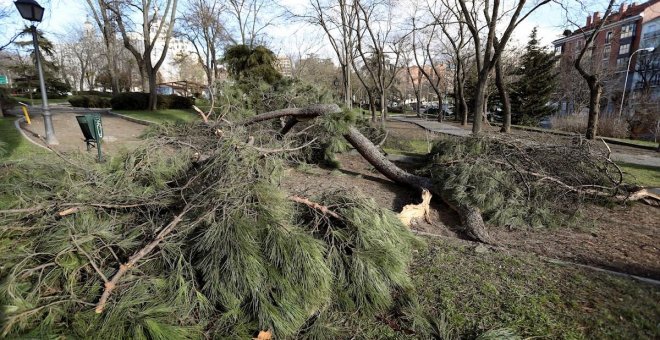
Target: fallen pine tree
{"points": [[191, 235]]}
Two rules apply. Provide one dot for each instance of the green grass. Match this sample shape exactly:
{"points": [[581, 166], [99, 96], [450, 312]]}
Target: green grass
{"points": [[648, 176], [479, 292], [15, 147], [410, 147], [38, 101], [162, 116], [635, 142]]}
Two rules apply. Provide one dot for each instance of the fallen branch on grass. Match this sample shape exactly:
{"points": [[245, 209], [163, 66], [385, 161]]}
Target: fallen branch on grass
{"points": [[325, 210]]}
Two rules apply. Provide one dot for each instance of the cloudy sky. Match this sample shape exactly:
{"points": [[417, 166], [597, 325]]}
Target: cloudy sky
{"points": [[287, 36]]}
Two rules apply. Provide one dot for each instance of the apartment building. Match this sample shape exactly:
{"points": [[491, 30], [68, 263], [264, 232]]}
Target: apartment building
{"points": [[631, 28]]}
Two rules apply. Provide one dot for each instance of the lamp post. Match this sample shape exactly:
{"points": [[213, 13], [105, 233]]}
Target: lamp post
{"points": [[32, 11], [625, 83]]}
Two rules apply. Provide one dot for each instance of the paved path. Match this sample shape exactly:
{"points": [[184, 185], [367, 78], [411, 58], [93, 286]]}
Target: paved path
{"points": [[650, 158], [118, 133]]}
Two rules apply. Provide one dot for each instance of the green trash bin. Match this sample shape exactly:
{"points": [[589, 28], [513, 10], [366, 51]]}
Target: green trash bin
{"points": [[92, 129]]}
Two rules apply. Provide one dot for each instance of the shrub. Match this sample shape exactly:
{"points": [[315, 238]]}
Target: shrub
{"points": [[607, 126], [140, 101], [180, 102], [6, 101], [89, 101], [93, 93], [51, 95]]}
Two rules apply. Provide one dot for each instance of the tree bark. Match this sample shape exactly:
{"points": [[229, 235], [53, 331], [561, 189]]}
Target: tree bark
{"points": [[504, 96], [153, 94], [595, 90], [479, 103]]}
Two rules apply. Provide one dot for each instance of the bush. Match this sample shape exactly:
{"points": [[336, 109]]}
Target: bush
{"points": [[89, 101], [179, 102], [140, 101], [607, 126], [51, 95], [6, 101], [93, 93]]}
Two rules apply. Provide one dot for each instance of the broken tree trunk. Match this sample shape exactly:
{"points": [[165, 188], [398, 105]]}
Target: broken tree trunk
{"points": [[470, 216]]}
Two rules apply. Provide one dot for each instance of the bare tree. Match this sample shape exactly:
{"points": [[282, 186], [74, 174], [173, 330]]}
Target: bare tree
{"points": [[449, 18], [104, 20], [416, 80], [337, 20], [592, 78], [488, 51], [436, 75], [155, 28], [251, 18], [201, 24], [373, 42]]}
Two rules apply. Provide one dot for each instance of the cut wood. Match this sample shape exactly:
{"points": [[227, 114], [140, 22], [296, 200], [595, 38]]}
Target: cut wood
{"points": [[412, 212]]}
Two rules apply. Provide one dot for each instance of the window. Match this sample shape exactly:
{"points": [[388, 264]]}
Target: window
{"points": [[624, 49], [621, 63], [558, 50], [627, 31], [607, 50], [608, 37]]}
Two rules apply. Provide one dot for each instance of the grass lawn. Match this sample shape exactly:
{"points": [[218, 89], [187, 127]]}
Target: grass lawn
{"points": [[643, 175], [635, 141], [15, 147], [476, 292], [38, 101], [162, 116], [410, 147]]}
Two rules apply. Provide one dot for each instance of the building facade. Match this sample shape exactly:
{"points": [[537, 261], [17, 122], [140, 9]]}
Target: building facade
{"points": [[615, 47]]}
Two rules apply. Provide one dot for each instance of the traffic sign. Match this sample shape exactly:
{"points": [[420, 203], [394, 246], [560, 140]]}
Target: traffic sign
{"points": [[3, 79]]}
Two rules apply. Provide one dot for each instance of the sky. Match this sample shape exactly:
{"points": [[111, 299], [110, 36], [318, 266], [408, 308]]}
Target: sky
{"points": [[287, 36]]}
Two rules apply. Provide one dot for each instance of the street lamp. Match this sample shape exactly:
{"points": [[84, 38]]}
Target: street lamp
{"points": [[625, 83], [32, 11]]}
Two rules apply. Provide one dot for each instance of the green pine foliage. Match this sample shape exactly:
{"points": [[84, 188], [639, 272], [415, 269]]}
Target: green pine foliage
{"points": [[244, 258], [495, 176], [537, 80]]}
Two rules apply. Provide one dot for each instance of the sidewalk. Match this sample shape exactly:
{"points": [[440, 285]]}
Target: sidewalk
{"points": [[647, 159]]}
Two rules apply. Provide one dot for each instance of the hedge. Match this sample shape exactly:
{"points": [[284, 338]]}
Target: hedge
{"points": [[89, 101], [140, 101]]}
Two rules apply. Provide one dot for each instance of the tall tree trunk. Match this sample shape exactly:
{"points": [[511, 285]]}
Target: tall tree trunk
{"points": [[112, 66], [441, 114], [383, 109], [153, 95], [144, 77], [372, 106], [479, 104], [595, 90], [504, 96], [460, 92]]}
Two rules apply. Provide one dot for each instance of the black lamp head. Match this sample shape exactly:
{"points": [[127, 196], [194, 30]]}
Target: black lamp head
{"points": [[30, 10]]}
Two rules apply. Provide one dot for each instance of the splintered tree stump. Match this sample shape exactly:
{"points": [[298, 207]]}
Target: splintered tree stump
{"points": [[412, 212]]}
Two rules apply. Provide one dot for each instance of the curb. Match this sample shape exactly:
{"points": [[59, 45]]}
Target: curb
{"points": [[17, 125], [130, 119]]}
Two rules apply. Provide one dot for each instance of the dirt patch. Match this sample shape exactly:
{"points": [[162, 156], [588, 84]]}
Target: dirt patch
{"points": [[356, 174], [624, 239], [118, 133]]}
